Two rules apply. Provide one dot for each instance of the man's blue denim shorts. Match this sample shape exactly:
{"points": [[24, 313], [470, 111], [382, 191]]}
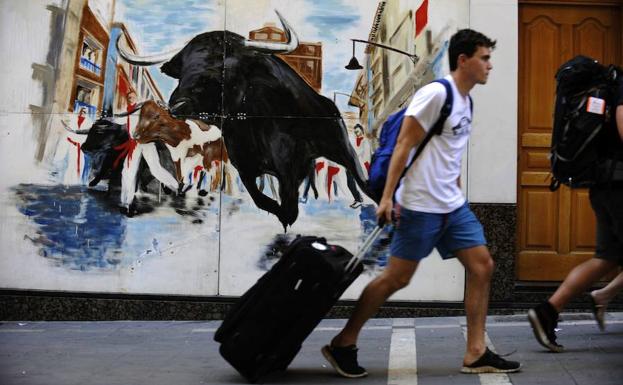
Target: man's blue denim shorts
{"points": [[416, 233]]}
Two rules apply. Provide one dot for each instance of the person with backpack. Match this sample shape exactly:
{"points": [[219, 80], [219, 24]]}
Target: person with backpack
{"points": [[606, 196], [431, 211]]}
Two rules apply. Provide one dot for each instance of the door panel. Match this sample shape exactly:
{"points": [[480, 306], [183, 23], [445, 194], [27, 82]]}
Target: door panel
{"points": [[539, 230], [556, 229], [592, 39], [544, 62]]}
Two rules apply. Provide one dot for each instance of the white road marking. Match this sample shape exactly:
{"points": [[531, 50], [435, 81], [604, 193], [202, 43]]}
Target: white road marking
{"points": [[21, 330], [338, 328], [440, 326], [402, 368]]}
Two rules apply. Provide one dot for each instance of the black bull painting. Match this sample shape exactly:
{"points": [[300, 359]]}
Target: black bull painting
{"points": [[272, 121], [106, 144]]}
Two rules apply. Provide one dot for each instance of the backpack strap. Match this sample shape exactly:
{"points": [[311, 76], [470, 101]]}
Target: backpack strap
{"points": [[445, 112], [446, 109]]}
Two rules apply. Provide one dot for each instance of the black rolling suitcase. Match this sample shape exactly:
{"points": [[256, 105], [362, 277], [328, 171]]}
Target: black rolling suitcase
{"points": [[264, 331]]}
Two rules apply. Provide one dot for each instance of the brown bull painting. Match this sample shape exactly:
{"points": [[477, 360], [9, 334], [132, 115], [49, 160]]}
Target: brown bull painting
{"points": [[193, 144]]}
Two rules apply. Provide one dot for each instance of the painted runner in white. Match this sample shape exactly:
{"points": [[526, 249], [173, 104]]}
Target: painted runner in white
{"points": [[490, 378], [402, 368]]}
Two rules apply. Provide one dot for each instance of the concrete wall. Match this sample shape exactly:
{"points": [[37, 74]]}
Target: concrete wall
{"points": [[493, 147]]}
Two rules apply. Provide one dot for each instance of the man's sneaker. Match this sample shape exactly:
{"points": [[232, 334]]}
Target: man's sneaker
{"points": [[344, 360], [490, 362], [544, 319]]}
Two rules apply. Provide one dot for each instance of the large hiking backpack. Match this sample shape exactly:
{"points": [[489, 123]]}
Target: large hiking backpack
{"points": [[585, 93], [381, 157]]}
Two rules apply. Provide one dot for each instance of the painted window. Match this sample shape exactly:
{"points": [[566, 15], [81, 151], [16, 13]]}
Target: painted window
{"points": [[86, 96], [90, 56]]}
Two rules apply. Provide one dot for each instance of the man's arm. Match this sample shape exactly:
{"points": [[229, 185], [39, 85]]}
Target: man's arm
{"points": [[411, 134], [619, 119]]}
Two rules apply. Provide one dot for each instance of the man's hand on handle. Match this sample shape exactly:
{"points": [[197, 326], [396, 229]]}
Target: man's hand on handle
{"points": [[384, 211]]}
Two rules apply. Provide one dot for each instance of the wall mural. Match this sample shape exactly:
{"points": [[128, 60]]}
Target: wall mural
{"points": [[178, 147]]}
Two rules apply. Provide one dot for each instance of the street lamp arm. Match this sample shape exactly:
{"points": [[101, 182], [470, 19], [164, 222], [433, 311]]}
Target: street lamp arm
{"points": [[349, 96], [414, 58]]}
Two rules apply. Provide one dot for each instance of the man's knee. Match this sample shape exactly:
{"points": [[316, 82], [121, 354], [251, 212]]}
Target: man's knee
{"points": [[397, 274], [604, 265], [393, 282], [478, 261], [488, 265]]}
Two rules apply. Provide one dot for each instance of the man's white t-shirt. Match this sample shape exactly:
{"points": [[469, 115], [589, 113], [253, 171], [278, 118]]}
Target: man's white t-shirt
{"points": [[430, 184]]}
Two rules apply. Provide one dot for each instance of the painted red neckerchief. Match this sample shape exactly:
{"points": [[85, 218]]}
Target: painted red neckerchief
{"points": [[359, 139], [77, 144], [318, 167], [331, 172], [80, 120], [127, 147], [196, 171]]}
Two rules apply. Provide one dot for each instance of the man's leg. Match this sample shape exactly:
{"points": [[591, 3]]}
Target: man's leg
{"points": [[477, 358], [479, 266], [303, 199], [600, 299], [150, 153], [544, 317], [396, 275], [608, 292], [128, 178], [352, 186], [342, 351], [579, 280]]}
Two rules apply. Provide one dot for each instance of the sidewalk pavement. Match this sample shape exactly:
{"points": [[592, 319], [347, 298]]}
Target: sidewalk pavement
{"points": [[394, 351]]}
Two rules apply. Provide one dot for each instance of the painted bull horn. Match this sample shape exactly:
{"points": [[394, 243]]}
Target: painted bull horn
{"points": [[78, 132], [144, 60], [124, 114], [292, 41], [163, 105], [178, 105]]}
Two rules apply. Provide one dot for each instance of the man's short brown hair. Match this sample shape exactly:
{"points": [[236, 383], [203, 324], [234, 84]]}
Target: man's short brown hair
{"points": [[466, 41]]}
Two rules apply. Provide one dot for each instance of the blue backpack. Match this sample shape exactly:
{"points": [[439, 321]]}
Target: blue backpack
{"points": [[379, 165]]}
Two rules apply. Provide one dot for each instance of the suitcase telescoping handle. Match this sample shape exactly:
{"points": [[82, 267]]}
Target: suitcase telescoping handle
{"points": [[364, 248]]}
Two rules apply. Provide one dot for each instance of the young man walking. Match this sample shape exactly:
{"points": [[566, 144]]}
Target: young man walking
{"points": [[607, 202], [432, 212]]}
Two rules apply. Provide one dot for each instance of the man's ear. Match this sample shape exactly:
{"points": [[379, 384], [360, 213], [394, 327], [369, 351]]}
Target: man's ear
{"points": [[462, 58]]}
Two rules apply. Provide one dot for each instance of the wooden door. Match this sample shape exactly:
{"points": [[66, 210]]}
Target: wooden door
{"points": [[556, 230]]}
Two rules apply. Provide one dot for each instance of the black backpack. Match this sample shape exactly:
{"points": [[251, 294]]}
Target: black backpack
{"points": [[585, 95]]}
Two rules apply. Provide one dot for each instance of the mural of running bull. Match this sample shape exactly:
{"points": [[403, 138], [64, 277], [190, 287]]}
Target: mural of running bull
{"points": [[105, 146], [103, 139], [273, 122], [193, 144]]}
